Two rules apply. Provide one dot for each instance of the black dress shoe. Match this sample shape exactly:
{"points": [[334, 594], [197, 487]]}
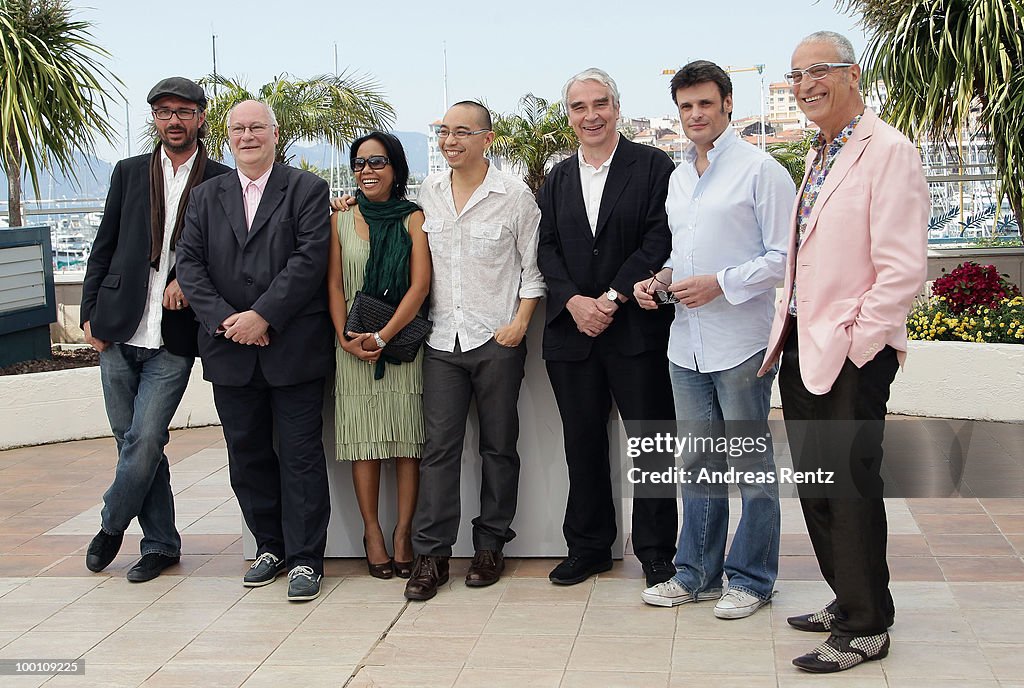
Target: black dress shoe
{"points": [[428, 573], [658, 571], [575, 570], [841, 653], [818, 622], [102, 550], [821, 621], [150, 566], [485, 569]]}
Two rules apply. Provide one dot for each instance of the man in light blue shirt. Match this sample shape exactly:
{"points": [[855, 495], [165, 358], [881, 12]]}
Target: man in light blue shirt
{"points": [[729, 207]]}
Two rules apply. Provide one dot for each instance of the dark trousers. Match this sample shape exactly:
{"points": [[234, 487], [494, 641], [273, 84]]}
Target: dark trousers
{"points": [[493, 374], [584, 391], [283, 494], [846, 521]]}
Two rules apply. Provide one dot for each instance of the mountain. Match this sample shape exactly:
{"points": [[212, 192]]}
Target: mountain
{"points": [[93, 180], [414, 143], [94, 174]]}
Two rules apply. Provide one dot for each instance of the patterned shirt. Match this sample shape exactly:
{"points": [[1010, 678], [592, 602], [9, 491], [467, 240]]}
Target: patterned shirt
{"points": [[484, 258], [820, 167]]}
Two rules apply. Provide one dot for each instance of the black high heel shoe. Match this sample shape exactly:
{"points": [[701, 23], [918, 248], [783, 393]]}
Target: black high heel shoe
{"points": [[383, 571], [403, 569]]}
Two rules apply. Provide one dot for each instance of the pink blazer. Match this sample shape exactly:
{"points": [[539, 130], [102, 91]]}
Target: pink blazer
{"points": [[863, 258]]}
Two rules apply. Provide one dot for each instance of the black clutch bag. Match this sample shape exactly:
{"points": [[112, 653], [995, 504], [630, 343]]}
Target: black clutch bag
{"points": [[370, 314]]}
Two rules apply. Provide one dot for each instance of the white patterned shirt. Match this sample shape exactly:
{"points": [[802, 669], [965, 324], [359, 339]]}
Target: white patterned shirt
{"points": [[484, 258]]}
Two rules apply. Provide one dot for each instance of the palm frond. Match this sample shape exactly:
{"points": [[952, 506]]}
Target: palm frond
{"points": [[53, 90], [327, 107]]}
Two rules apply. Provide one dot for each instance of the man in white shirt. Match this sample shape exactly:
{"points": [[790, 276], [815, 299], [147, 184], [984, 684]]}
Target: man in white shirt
{"points": [[135, 315], [728, 208], [482, 227]]}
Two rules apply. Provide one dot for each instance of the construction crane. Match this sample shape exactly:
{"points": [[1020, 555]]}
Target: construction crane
{"points": [[759, 68]]}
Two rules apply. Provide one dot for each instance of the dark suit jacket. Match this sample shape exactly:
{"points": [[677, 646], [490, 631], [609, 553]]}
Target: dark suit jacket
{"points": [[117, 277], [277, 268], [632, 239]]}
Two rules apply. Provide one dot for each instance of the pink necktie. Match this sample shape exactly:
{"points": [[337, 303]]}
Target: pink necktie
{"points": [[252, 202]]}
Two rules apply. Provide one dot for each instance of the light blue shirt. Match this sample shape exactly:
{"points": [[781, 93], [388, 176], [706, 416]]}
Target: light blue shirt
{"points": [[731, 222]]}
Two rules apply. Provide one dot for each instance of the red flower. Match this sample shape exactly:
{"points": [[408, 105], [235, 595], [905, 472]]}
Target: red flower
{"points": [[971, 285]]}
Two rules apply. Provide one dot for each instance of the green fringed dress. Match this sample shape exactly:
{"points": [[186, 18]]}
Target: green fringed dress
{"points": [[374, 419]]}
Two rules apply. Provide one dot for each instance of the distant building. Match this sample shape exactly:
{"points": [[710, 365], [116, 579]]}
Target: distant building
{"points": [[783, 112], [435, 159]]}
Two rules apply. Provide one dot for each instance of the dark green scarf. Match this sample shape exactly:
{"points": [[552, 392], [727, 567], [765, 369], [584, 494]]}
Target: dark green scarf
{"points": [[387, 268]]}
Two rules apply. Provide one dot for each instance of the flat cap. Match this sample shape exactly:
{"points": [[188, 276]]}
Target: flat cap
{"points": [[181, 87]]}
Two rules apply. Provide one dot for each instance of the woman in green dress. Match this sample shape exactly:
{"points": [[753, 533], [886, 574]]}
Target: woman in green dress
{"points": [[379, 248]]}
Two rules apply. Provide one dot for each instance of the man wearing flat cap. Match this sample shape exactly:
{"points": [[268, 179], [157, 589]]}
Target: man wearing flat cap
{"points": [[135, 315]]}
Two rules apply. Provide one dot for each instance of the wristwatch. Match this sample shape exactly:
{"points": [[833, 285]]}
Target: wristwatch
{"points": [[380, 340], [611, 294]]}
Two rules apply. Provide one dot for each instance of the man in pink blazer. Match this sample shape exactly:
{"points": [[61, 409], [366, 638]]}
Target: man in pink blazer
{"points": [[857, 258]]}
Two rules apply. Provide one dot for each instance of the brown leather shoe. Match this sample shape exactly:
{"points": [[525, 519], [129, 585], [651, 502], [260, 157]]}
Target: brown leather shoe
{"points": [[427, 574], [486, 568]]}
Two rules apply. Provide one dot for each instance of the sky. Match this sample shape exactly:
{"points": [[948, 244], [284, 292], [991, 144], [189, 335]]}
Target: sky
{"points": [[495, 51]]}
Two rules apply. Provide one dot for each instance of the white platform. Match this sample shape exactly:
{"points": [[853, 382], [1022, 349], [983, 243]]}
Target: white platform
{"points": [[543, 480]]}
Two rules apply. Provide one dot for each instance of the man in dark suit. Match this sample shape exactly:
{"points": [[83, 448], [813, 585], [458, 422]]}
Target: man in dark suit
{"points": [[252, 261], [603, 227], [134, 314]]}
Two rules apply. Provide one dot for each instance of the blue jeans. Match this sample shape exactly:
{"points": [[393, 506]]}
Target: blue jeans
{"points": [[141, 391], [703, 399]]}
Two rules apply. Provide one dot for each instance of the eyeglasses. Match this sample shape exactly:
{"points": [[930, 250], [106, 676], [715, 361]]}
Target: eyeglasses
{"points": [[257, 129], [663, 296], [184, 114], [376, 162], [815, 71], [458, 133]]}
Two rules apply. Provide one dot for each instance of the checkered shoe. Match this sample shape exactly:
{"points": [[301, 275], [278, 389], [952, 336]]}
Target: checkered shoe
{"points": [[842, 653], [818, 622]]}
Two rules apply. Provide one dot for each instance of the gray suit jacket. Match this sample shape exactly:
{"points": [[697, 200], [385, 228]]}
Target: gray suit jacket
{"points": [[276, 268]]}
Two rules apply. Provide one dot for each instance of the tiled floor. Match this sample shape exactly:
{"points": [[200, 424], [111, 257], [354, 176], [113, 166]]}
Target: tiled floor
{"points": [[956, 563]]}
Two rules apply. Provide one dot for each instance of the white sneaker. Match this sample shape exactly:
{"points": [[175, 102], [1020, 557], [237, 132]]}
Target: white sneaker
{"points": [[672, 594], [737, 604]]}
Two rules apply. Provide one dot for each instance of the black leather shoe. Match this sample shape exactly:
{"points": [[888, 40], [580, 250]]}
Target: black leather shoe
{"points": [[428, 573], [821, 621], [150, 566], [818, 622], [658, 571], [575, 570], [485, 569], [842, 653], [102, 550]]}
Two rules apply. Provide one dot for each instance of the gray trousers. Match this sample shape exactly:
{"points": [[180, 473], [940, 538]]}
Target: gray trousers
{"points": [[493, 374]]}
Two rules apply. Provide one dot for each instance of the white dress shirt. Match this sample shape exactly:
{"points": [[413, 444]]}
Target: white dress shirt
{"points": [[732, 222], [484, 258], [148, 335], [593, 179]]}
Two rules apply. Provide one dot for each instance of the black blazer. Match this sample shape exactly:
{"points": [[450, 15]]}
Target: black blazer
{"points": [[632, 239], [117, 276], [277, 268]]}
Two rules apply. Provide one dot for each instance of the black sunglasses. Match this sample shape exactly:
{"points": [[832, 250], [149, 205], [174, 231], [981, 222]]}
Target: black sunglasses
{"points": [[663, 296], [376, 162]]}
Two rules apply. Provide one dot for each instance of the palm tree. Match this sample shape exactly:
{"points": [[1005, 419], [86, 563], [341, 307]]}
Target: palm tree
{"points": [[940, 58], [532, 138], [793, 155], [336, 109], [52, 98]]}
